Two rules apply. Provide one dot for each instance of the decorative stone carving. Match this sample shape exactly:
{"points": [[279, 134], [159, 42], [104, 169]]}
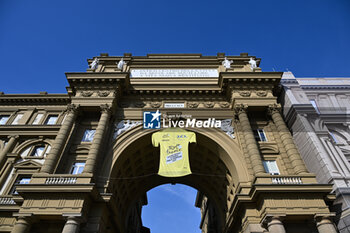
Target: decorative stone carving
{"points": [[124, 126], [252, 63], [103, 93], [245, 93], [105, 108], [72, 107], [193, 105], [94, 64], [209, 104], [240, 108], [139, 104], [226, 126], [123, 104], [87, 93], [156, 104], [261, 93], [274, 108], [224, 105], [121, 64], [226, 63]]}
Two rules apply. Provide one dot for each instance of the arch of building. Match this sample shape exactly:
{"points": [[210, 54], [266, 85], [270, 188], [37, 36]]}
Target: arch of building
{"points": [[216, 162]]}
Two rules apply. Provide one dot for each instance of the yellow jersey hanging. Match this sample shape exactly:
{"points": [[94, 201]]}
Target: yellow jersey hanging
{"points": [[173, 142]]}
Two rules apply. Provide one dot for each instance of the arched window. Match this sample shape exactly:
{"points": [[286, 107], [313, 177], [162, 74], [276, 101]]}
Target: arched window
{"points": [[36, 151]]}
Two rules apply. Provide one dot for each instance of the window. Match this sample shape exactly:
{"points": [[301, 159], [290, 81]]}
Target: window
{"points": [[20, 180], [38, 119], [4, 119], [333, 137], [260, 135], [17, 119], [77, 168], [271, 167], [88, 135], [38, 151], [51, 120], [313, 102]]}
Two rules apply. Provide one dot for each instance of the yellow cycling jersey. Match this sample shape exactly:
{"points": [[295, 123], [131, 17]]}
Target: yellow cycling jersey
{"points": [[173, 142]]}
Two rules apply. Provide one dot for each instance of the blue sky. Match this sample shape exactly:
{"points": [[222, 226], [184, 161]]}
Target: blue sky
{"points": [[40, 40]]}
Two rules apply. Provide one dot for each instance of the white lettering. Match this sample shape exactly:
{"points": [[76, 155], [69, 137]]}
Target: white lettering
{"points": [[173, 73]]}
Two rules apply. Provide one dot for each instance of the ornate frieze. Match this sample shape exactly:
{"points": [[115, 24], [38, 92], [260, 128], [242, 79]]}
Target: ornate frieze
{"points": [[87, 93], [103, 93], [193, 105]]}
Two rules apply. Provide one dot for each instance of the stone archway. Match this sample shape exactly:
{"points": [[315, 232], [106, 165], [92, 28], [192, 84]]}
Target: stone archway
{"points": [[217, 165]]}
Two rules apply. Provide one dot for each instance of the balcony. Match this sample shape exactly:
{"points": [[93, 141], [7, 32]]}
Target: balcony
{"points": [[285, 179], [7, 200], [64, 183]]}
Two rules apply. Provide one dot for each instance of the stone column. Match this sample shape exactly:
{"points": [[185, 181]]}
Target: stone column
{"points": [[325, 225], [98, 138], [275, 225], [61, 138], [22, 225], [287, 140], [6, 172], [9, 146], [250, 141], [72, 225]]}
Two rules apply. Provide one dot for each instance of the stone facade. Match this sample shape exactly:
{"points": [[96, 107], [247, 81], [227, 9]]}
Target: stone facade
{"points": [[82, 162], [317, 112]]}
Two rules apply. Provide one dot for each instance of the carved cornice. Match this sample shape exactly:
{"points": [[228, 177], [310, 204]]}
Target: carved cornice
{"points": [[35, 99]]}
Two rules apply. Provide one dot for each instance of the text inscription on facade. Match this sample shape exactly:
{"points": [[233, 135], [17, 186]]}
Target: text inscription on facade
{"points": [[174, 73]]}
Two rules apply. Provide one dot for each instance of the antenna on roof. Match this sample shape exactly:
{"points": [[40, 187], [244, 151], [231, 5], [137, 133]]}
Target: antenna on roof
{"points": [[273, 69]]}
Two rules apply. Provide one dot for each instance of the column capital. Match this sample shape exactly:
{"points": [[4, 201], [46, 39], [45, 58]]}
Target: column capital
{"points": [[74, 219], [323, 219], [13, 136], [106, 108], [239, 108], [272, 108], [72, 107]]}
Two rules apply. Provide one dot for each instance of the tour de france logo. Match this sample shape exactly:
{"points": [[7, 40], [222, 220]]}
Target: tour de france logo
{"points": [[151, 120]]}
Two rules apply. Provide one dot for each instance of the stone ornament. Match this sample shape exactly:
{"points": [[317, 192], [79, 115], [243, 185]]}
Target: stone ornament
{"points": [[244, 93], [156, 104], [226, 63], [87, 93], [94, 64], [252, 63], [226, 126], [72, 107], [123, 104], [121, 64], [261, 93], [124, 126], [139, 105], [209, 104], [224, 105], [240, 108], [274, 108], [103, 93], [193, 105], [106, 108]]}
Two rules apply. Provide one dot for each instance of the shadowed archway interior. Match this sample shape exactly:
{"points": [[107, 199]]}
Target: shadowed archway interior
{"points": [[135, 172]]}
